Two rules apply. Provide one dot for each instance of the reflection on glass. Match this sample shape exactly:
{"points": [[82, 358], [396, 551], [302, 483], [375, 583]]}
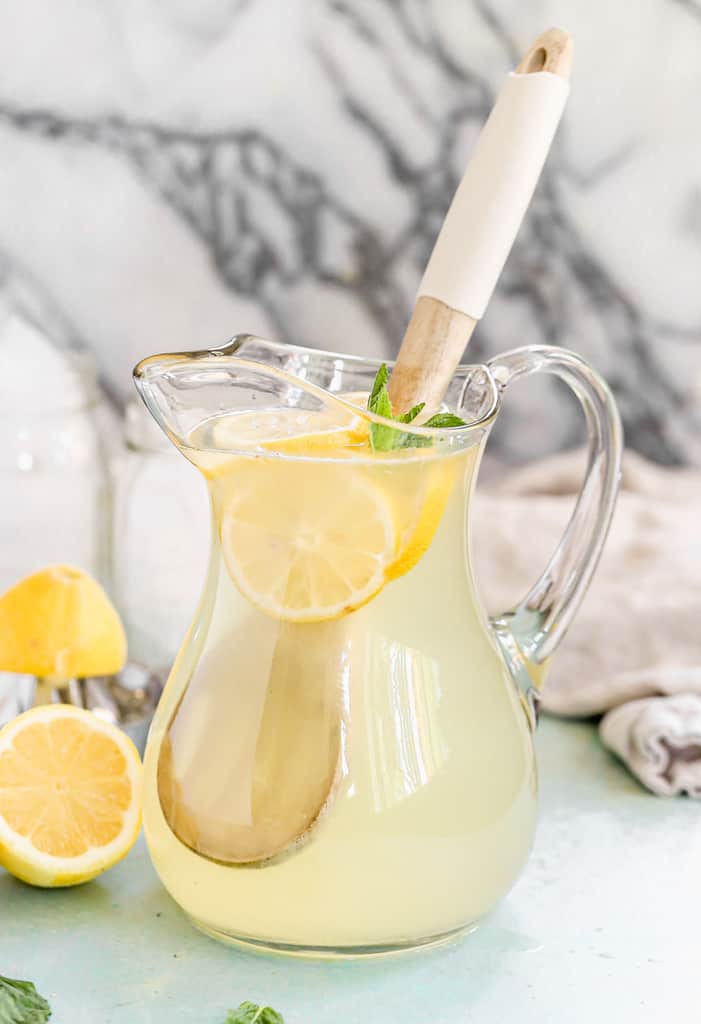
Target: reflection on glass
{"points": [[405, 748]]}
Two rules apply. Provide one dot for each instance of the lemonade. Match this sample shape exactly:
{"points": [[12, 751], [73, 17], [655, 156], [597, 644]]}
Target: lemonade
{"points": [[340, 761]]}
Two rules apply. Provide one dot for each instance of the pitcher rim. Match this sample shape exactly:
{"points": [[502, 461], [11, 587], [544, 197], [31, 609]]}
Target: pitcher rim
{"points": [[167, 360]]}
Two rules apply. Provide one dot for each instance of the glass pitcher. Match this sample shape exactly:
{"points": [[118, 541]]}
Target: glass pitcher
{"points": [[342, 760]]}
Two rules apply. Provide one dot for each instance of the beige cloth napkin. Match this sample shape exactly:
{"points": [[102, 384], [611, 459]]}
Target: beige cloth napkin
{"points": [[635, 645]]}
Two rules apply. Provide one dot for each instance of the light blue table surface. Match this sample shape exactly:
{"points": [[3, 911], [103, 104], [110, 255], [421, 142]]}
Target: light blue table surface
{"points": [[603, 926]]}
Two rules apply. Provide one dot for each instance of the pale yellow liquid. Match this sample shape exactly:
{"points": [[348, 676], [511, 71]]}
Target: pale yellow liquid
{"points": [[433, 813]]}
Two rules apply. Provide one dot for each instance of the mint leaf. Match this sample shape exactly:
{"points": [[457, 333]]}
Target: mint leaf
{"points": [[378, 387], [385, 439], [252, 1013], [445, 419], [412, 414], [383, 406], [20, 1003], [381, 437]]}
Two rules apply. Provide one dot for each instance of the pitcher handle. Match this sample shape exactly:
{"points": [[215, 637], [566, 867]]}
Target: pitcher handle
{"points": [[539, 622]]}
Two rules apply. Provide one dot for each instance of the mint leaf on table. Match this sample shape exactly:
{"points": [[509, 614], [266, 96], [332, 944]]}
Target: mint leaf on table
{"points": [[20, 1003], [251, 1013], [385, 439]]}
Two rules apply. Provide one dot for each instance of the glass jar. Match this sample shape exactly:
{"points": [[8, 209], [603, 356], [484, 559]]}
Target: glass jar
{"points": [[53, 476], [159, 540]]}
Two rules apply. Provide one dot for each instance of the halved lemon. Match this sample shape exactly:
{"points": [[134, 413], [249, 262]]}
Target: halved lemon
{"points": [[305, 542], [59, 622], [70, 795]]}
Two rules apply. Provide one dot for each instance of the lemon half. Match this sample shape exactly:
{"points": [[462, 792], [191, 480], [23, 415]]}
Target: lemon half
{"points": [[70, 795], [60, 623]]}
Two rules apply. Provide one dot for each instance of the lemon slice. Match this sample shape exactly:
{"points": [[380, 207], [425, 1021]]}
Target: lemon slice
{"points": [[420, 515], [288, 431], [69, 795], [307, 430], [59, 622], [305, 542]]}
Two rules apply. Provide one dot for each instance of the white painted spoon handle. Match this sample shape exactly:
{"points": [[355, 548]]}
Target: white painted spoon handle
{"points": [[482, 222]]}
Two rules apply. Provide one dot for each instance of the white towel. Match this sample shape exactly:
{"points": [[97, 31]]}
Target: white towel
{"points": [[637, 636], [659, 738]]}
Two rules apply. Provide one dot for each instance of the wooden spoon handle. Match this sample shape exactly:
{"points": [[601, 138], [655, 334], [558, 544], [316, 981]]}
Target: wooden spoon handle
{"points": [[552, 52], [433, 346], [481, 224]]}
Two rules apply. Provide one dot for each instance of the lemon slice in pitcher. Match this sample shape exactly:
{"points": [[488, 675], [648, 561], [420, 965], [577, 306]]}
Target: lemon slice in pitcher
{"points": [[294, 430], [319, 432], [305, 543], [422, 503]]}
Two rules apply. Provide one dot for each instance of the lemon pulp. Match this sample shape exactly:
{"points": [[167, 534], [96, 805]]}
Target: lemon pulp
{"points": [[70, 800]]}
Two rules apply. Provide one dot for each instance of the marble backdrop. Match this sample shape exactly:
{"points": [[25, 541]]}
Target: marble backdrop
{"points": [[176, 171]]}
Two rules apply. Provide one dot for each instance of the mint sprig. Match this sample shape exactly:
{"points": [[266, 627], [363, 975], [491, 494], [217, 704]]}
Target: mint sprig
{"points": [[20, 1003], [384, 438], [252, 1013]]}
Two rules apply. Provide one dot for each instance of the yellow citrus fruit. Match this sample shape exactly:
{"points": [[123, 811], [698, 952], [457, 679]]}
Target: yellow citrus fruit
{"points": [[333, 442], [291, 431], [319, 432], [313, 538], [419, 514], [60, 623], [70, 795], [305, 542]]}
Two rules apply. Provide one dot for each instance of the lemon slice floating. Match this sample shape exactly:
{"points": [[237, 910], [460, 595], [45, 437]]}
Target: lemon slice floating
{"points": [[305, 543], [69, 795], [291, 431]]}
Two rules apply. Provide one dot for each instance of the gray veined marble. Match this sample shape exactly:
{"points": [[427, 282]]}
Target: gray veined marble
{"points": [[173, 174]]}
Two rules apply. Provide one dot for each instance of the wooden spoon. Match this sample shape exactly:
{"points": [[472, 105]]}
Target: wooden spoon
{"points": [[482, 222]]}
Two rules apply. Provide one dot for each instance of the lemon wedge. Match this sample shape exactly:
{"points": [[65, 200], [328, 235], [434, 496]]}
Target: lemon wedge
{"points": [[305, 542], [59, 622], [70, 804]]}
